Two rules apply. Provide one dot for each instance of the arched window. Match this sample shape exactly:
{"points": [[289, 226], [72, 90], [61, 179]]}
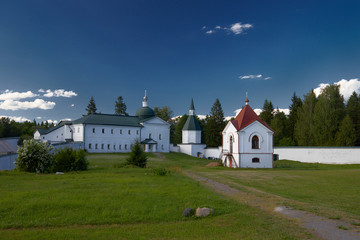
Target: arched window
{"points": [[255, 142], [231, 144], [255, 160]]}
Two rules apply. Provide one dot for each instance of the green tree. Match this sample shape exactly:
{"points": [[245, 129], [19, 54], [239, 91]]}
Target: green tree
{"points": [[328, 114], [279, 124], [178, 126], [137, 156], [304, 124], [120, 107], [353, 110], [346, 135], [91, 107], [165, 113], [267, 112], [296, 104], [214, 125]]}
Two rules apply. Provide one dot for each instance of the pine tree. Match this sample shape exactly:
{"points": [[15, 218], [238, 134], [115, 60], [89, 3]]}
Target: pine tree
{"points": [[296, 104], [346, 135], [304, 123], [267, 114], [137, 156], [91, 107], [214, 125], [279, 124], [328, 114], [353, 110], [120, 107]]}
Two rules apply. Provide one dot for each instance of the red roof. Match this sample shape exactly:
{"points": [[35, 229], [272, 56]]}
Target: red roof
{"points": [[246, 117]]}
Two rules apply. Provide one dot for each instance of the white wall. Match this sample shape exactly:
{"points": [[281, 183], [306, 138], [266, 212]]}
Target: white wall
{"points": [[192, 149], [191, 136], [331, 155], [110, 141], [212, 152], [265, 161]]}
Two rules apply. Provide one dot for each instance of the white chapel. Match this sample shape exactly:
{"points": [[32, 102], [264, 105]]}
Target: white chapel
{"points": [[247, 141]]}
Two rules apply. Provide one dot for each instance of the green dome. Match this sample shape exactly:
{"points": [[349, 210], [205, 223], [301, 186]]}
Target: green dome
{"points": [[145, 112]]}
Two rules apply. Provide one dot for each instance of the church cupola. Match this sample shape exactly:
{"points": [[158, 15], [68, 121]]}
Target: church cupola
{"points": [[145, 111], [191, 132]]}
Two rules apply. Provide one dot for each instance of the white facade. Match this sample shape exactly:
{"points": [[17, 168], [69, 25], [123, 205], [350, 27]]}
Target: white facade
{"points": [[247, 141], [191, 136]]}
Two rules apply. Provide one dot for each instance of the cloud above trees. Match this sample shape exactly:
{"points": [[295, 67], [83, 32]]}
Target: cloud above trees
{"points": [[347, 87]]}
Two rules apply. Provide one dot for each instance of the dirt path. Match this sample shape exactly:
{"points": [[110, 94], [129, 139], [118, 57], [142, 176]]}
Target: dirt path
{"points": [[321, 227]]}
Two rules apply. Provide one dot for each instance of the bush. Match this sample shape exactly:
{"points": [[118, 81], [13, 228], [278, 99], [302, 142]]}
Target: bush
{"points": [[68, 159], [137, 156], [34, 156], [161, 171]]}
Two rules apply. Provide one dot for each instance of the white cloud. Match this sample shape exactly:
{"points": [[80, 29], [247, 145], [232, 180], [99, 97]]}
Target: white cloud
{"points": [[72, 105], [38, 118], [347, 87], [235, 28], [17, 119], [66, 119], [17, 105], [59, 93], [11, 95], [41, 90], [238, 28], [257, 77], [52, 121]]}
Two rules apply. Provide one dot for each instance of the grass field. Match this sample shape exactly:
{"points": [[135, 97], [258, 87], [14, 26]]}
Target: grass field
{"points": [[108, 202], [330, 189]]}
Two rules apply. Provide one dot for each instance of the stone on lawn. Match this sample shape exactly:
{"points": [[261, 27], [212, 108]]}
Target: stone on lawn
{"points": [[188, 212], [203, 212]]}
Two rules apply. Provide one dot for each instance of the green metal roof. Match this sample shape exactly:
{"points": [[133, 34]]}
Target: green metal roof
{"points": [[145, 112], [43, 131], [192, 124], [108, 119]]}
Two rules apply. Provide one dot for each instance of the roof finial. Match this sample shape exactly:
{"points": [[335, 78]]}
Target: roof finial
{"points": [[144, 103], [247, 100], [192, 108]]}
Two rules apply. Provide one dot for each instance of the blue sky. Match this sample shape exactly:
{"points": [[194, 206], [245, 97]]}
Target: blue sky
{"points": [[175, 49]]}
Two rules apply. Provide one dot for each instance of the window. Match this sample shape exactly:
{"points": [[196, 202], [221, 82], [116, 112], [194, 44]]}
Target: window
{"points": [[62, 134], [93, 130], [162, 147], [159, 136], [103, 130], [149, 135], [102, 146], [114, 147], [96, 146], [125, 146], [120, 131], [108, 146], [89, 145], [255, 142], [78, 129], [231, 144], [255, 160], [112, 131], [119, 147], [129, 132], [137, 132]]}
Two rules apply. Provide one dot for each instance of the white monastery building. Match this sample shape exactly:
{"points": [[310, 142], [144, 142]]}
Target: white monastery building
{"points": [[247, 141], [112, 133]]}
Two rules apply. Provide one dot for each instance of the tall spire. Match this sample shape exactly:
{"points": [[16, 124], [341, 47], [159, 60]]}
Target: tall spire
{"points": [[192, 108], [247, 100], [145, 103]]}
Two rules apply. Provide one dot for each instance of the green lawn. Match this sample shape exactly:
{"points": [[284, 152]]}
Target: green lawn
{"points": [[108, 202], [331, 187]]}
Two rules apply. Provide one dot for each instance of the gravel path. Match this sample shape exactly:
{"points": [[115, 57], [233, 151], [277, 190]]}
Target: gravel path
{"points": [[321, 227]]}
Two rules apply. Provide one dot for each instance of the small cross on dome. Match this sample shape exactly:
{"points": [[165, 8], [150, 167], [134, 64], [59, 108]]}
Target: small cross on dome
{"points": [[247, 100]]}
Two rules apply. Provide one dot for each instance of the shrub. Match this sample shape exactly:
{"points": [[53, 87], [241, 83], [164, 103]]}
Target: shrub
{"points": [[68, 159], [34, 156], [160, 171], [137, 156]]}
